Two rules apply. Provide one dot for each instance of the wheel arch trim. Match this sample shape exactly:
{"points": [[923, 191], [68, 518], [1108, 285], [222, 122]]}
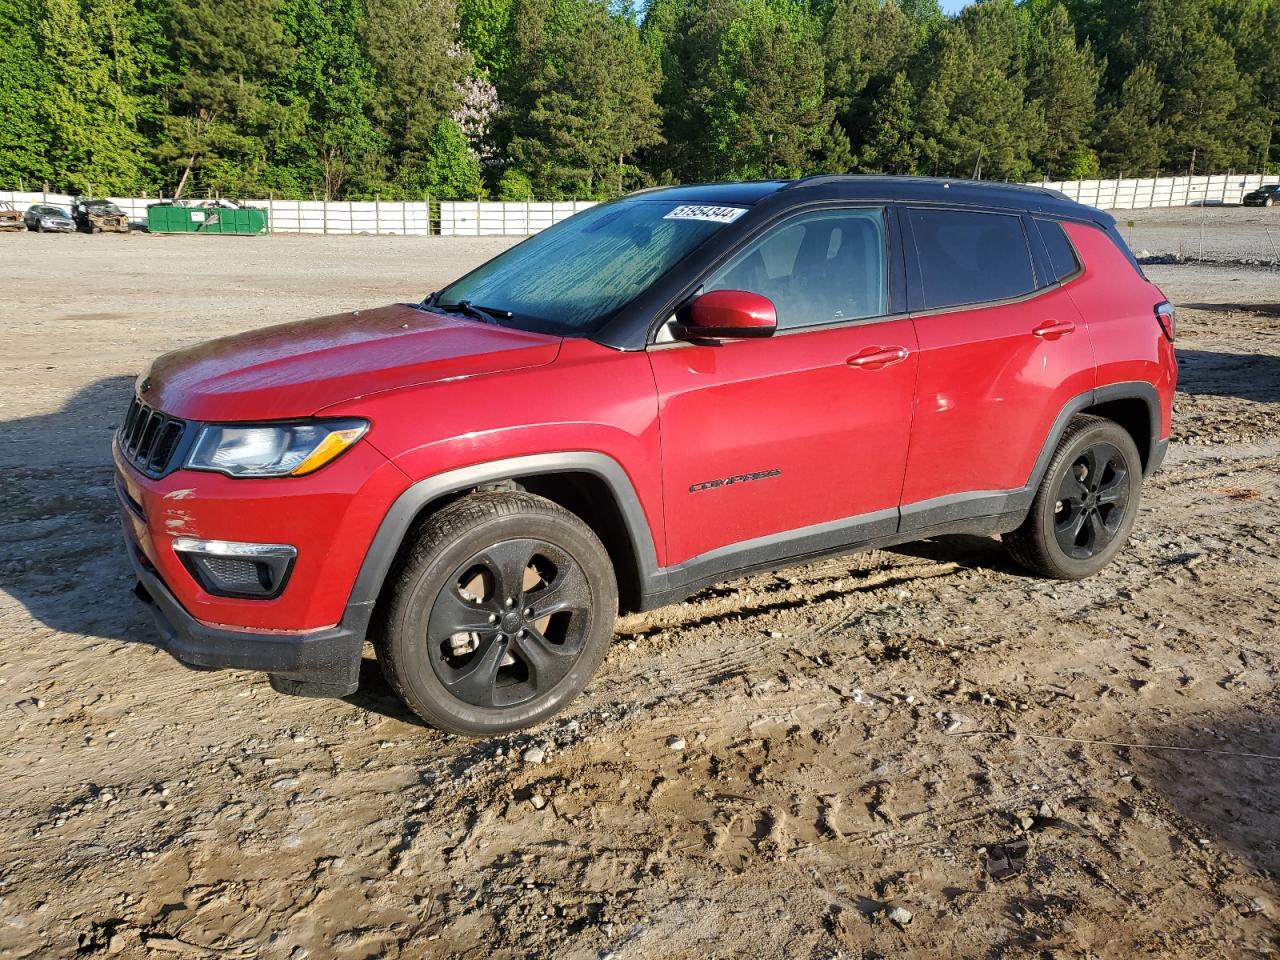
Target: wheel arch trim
{"points": [[1125, 390], [408, 506]]}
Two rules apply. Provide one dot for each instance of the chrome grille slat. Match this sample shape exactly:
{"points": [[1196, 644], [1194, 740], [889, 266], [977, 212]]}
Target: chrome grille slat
{"points": [[149, 439]]}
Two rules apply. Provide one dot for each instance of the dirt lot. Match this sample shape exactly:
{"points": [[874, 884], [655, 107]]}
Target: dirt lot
{"points": [[859, 734], [1211, 233]]}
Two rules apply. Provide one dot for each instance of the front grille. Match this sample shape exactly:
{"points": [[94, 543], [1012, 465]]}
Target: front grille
{"points": [[150, 438]]}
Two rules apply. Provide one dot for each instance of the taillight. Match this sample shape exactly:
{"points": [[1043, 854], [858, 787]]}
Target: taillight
{"points": [[1167, 317]]}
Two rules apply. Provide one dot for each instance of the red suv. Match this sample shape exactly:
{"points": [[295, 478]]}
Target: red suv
{"points": [[658, 393]]}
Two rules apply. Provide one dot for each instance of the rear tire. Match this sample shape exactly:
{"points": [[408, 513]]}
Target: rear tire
{"points": [[1086, 504], [499, 615]]}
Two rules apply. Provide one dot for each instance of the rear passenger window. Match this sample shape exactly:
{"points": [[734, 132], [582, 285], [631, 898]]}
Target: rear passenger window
{"points": [[971, 257], [1062, 257]]}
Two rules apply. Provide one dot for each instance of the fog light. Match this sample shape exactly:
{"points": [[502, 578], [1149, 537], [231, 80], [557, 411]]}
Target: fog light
{"points": [[226, 568]]}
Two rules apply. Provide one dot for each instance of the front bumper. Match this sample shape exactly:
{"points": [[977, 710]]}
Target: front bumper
{"points": [[323, 662], [308, 638]]}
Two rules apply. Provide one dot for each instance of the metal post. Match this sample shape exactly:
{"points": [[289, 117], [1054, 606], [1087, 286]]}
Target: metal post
{"points": [[1275, 254], [377, 216]]}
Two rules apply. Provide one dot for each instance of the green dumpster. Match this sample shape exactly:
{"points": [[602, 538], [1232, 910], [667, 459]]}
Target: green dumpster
{"points": [[242, 221]]}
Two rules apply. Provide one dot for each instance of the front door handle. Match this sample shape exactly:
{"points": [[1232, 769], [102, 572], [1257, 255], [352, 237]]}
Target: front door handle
{"points": [[1053, 329], [873, 358]]}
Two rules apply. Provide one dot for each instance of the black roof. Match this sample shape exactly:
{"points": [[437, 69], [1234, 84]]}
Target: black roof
{"points": [[983, 193]]}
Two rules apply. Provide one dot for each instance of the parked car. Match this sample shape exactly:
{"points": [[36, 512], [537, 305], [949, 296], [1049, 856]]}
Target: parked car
{"points": [[658, 393], [44, 218], [96, 216], [1264, 196], [10, 218]]}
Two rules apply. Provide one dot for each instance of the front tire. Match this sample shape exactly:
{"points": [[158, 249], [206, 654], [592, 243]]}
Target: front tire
{"points": [[499, 616], [1086, 504]]}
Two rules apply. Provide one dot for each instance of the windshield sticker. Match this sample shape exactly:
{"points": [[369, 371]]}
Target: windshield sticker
{"points": [[693, 211]]}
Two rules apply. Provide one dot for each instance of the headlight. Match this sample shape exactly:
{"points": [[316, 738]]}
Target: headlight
{"points": [[272, 450]]}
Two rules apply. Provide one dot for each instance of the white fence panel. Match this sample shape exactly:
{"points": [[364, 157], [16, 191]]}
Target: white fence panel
{"points": [[472, 218]]}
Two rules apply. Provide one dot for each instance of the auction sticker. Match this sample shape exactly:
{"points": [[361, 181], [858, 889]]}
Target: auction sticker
{"points": [[693, 211]]}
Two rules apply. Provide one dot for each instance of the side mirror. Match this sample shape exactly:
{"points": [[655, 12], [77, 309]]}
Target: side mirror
{"points": [[727, 315]]}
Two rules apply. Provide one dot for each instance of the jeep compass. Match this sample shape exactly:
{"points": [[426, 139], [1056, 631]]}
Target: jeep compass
{"points": [[660, 392]]}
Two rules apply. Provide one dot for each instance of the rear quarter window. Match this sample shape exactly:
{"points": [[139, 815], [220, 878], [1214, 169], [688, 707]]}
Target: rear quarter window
{"points": [[1062, 256], [969, 258]]}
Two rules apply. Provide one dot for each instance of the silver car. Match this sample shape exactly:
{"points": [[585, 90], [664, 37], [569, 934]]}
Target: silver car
{"points": [[48, 219]]}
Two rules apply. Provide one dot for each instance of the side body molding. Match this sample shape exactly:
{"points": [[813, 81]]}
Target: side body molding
{"points": [[391, 533]]}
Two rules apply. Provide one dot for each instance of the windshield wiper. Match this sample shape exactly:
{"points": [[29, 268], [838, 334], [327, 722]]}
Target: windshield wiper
{"points": [[486, 314]]}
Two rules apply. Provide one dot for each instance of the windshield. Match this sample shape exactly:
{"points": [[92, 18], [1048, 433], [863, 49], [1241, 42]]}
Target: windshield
{"points": [[108, 208], [570, 277]]}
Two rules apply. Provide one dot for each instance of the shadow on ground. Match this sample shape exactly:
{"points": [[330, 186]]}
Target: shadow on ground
{"points": [[1225, 784], [64, 560], [1249, 376], [1269, 309]]}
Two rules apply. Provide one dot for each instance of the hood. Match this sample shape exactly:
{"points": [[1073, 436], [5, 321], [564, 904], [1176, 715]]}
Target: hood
{"points": [[298, 369]]}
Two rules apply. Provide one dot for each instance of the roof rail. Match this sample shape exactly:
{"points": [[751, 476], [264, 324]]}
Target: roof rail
{"points": [[817, 178], [820, 178]]}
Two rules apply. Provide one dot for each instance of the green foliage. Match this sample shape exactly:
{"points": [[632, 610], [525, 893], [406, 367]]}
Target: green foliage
{"points": [[89, 118], [485, 29], [515, 185], [581, 99], [223, 121], [1064, 76], [448, 168], [327, 90], [24, 82], [588, 98], [418, 66], [974, 113], [770, 115], [893, 145]]}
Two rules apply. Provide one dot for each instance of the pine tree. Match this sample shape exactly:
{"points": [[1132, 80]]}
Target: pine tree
{"points": [[689, 52], [892, 145], [976, 119], [1065, 78], [1131, 142], [223, 121], [420, 70], [770, 115], [865, 43], [581, 101]]}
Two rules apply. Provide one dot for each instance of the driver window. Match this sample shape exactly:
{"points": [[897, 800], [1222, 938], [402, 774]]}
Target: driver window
{"points": [[817, 268]]}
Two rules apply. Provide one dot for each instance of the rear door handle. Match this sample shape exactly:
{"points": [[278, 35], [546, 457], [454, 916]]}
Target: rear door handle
{"points": [[873, 358], [1053, 329]]}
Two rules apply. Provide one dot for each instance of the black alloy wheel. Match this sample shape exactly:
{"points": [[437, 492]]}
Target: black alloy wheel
{"points": [[1085, 502], [509, 623], [501, 610], [1093, 499]]}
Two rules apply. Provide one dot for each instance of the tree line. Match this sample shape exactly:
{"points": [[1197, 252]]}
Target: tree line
{"points": [[518, 99]]}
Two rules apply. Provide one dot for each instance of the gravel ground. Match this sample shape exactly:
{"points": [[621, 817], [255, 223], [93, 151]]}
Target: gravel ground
{"points": [[830, 761], [1230, 234]]}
